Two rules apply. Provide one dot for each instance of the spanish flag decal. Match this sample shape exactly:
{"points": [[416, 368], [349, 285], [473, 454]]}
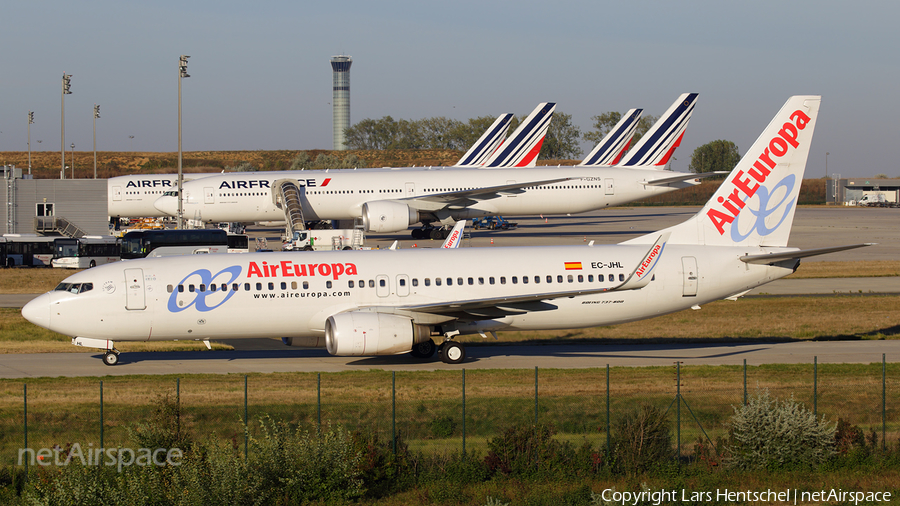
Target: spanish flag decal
{"points": [[573, 266]]}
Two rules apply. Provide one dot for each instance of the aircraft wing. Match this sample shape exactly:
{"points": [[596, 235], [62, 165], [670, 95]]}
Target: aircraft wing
{"points": [[463, 198], [494, 307], [679, 177]]}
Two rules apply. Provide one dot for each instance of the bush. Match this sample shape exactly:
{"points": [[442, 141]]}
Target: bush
{"points": [[164, 428], [443, 427], [528, 451], [768, 434], [642, 440]]}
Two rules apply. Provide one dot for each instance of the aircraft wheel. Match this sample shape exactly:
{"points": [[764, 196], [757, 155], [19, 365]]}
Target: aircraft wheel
{"points": [[111, 358], [424, 349], [453, 353], [417, 233]]}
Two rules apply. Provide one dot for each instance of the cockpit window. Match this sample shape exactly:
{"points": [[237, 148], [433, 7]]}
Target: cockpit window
{"points": [[74, 287]]}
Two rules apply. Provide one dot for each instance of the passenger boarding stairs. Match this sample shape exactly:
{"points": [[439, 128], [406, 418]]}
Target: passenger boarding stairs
{"points": [[287, 196], [57, 224], [356, 240]]}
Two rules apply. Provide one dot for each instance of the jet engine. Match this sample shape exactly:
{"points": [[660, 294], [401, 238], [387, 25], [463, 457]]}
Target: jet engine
{"points": [[361, 333], [387, 216]]}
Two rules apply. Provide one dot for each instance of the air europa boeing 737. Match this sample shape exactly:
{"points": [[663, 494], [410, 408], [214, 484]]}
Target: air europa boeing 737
{"points": [[390, 200], [399, 301]]}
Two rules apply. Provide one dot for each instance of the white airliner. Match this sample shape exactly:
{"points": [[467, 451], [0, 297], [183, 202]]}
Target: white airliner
{"points": [[398, 301], [390, 200], [134, 195]]}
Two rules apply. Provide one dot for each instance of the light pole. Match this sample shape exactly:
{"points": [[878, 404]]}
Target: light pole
{"points": [[131, 142], [66, 90], [30, 121], [826, 164], [182, 73], [73, 160], [96, 115]]}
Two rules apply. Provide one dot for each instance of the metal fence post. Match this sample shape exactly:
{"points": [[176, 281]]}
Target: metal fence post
{"points": [[101, 415], [745, 382], [464, 414], [535, 396], [319, 401], [816, 386], [608, 442], [177, 404], [678, 406], [394, 410], [883, 403], [25, 421], [246, 428]]}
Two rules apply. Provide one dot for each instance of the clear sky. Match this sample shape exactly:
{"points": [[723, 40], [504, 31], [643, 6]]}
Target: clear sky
{"points": [[261, 78]]}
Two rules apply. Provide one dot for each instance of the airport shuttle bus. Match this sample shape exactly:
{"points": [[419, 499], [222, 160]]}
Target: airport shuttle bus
{"points": [[85, 252], [161, 243], [27, 250]]}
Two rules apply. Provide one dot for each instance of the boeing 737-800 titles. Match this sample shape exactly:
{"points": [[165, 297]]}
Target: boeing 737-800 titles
{"points": [[390, 200], [399, 301]]}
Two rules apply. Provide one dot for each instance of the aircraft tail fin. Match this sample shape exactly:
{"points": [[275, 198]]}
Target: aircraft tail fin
{"points": [[657, 146], [488, 143], [523, 146], [615, 143], [755, 205]]}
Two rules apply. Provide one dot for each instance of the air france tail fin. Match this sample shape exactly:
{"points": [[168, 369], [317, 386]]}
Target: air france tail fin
{"points": [[485, 146], [755, 205], [616, 142], [523, 146], [656, 146], [456, 235]]}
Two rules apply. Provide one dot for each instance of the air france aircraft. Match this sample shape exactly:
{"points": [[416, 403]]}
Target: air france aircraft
{"points": [[390, 200], [399, 301], [133, 196]]}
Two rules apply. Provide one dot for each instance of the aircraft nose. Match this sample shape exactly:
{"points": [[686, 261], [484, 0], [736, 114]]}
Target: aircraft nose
{"points": [[167, 204], [37, 311]]}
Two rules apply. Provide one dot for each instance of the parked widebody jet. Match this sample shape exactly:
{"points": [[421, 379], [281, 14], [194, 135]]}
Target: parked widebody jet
{"points": [[400, 301], [391, 200], [134, 196]]}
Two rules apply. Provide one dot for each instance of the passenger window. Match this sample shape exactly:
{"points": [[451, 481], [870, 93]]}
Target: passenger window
{"points": [[621, 277], [284, 285], [480, 281], [371, 283], [502, 280], [459, 281], [537, 279], [212, 288], [559, 279], [382, 283], [472, 281], [437, 281], [427, 281], [580, 279], [590, 278], [191, 288], [328, 284], [180, 288], [170, 288], [271, 285], [449, 281], [515, 280], [415, 281], [294, 285], [524, 280], [259, 286], [247, 286], [550, 279], [350, 283], [402, 282], [306, 285]]}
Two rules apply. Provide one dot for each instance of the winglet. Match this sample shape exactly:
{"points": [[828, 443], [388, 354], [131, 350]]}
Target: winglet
{"points": [[643, 273], [524, 144], [455, 236], [616, 142], [487, 144]]}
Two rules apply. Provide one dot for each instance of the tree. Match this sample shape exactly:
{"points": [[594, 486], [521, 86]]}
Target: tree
{"points": [[561, 142], [464, 135], [716, 155]]}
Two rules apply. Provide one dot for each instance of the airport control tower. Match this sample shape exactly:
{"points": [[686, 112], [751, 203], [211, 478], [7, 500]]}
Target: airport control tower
{"points": [[340, 103]]}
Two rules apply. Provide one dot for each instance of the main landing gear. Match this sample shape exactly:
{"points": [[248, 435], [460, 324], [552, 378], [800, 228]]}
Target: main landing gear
{"points": [[111, 357], [429, 232], [450, 352]]}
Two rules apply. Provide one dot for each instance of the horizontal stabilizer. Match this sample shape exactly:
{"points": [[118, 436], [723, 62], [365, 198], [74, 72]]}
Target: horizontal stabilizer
{"points": [[772, 258]]}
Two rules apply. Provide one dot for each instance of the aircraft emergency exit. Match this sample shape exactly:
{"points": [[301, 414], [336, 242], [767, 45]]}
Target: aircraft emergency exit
{"points": [[400, 301]]}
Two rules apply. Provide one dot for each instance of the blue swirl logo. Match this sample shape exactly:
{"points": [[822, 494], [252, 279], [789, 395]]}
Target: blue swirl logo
{"points": [[765, 211], [206, 278]]}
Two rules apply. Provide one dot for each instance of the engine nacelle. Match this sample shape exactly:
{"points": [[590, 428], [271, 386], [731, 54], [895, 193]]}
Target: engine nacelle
{"points": [[361, 333], [387, 216]]}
